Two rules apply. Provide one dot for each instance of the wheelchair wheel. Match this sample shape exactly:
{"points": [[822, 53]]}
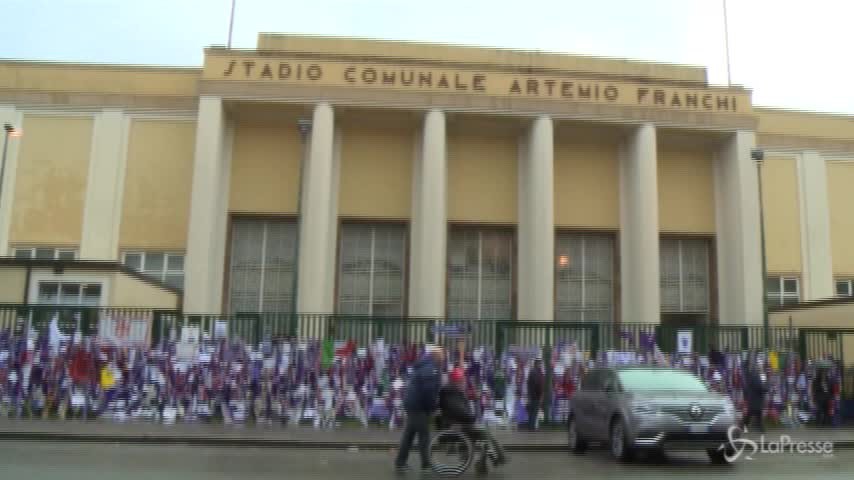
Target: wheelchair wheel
{"points": [[451, 453]]}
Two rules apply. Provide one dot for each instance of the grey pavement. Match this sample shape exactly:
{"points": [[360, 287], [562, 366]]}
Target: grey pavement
{"points": [[278, 436], [78, 461]]}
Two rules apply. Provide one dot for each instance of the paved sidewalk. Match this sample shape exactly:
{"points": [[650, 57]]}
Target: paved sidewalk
{"points": [[304, 437]]}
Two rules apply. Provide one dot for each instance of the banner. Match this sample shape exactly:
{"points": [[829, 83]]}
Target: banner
{"points": [[125, 328], [685, 341]]}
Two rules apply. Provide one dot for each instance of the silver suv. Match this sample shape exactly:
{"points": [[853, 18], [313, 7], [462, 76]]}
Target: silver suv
{"points": [[651, 408]]}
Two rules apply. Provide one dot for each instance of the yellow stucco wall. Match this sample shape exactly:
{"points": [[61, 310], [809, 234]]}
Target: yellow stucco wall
{"points": [[840, 191], [686, 191], [376, 172], [50, 189], [120, 79], [265, 168], [782, 215], [127, 291], [158, 184], [12, 284], [783, 122], [482, 178], [586, 185]]}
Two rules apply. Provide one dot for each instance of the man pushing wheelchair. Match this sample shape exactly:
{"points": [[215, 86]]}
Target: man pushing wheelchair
{"points": [[423, 395]]}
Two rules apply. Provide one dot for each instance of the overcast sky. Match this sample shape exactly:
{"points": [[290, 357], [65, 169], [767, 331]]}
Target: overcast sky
{"points": [[793, 54]]}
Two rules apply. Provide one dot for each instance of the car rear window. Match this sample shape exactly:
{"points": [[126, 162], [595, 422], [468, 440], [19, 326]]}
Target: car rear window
{"points": [[655, 380]]}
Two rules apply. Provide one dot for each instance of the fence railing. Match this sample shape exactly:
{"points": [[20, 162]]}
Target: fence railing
{"points": [[499, 334], [72, 319]]}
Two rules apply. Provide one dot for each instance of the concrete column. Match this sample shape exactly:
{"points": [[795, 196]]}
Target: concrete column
{"points": [[8, 114], [640, 299], [317, 223], [739, 253], [429, 232], [206, 239], [817, 275], [105, 187], [332, 238], [536, 222]]}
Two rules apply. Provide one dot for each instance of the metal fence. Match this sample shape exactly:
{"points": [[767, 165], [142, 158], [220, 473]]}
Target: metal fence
{"points": [[70, 319], [498, 334]]}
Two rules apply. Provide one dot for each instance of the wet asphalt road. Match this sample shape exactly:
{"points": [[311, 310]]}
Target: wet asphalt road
{"points": [[81, 461]]}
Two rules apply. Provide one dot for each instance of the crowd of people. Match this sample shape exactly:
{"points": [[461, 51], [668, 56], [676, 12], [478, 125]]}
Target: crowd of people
{"points": [[325, 383]]}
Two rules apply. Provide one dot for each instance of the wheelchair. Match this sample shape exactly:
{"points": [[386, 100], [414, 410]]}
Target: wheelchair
{"points": [[454, 448]]}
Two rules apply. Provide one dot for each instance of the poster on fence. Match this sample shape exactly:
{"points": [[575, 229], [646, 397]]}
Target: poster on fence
{"points": [[124, 328], [685, 341], [220, 329]]}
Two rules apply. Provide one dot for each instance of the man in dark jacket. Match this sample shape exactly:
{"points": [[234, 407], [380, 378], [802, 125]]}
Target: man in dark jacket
{"points": [[822, 394], [754, 395], [420, 401], [536, 386], [455, 410]]}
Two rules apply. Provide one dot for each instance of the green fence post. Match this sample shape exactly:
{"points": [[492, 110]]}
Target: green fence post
{"points": [[381, 328], [547, 364], [256, 329], [293, 324], [595, 339], [802, 344]]}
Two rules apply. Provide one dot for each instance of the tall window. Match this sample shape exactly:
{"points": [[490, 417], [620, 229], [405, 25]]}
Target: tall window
{"points": [[371, 269], [480, 273], [844, 287], [584, 286], [166, 267], [684, 265], [783, 291], [45, 253], [263, 259]]}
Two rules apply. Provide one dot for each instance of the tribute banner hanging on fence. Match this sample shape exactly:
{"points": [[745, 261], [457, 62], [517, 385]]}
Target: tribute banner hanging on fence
{"points": [[685, 339], [125, 328]]}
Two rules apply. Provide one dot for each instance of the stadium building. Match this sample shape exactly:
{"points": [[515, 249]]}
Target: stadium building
{"points": [[331, 175]]}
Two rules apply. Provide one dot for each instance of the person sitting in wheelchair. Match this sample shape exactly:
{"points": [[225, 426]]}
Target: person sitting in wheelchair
{"points": [[455, 410]]}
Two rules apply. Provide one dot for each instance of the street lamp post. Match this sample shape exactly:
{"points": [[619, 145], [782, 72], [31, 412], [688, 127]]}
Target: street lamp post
{"points": [[758, 156], [8, 131]]}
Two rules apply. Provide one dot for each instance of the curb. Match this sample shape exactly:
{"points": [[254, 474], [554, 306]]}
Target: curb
{"points": [[208, 441]]}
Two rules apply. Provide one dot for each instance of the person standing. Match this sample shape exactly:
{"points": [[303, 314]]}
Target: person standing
{"points": [[716, 358], [754, 394], [822, 394], [536, 385], [420, 400]]}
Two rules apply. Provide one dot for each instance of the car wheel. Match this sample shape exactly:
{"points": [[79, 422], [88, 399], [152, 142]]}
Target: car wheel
{"points": [[619, 445], [719, 456], [576, 443]]}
